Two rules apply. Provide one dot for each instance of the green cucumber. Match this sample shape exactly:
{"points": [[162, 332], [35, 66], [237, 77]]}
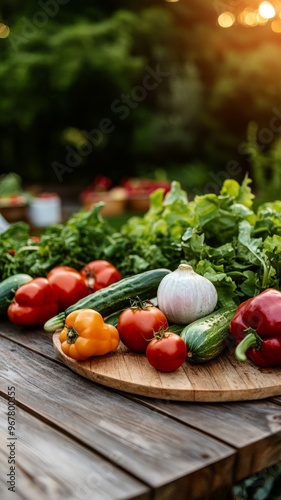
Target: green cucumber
{"points": [[114, 297], [175, 328], [8, 288], [206, 337], [112, 319]]}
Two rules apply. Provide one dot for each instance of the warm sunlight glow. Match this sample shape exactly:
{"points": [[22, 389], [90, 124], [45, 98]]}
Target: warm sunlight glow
{"points": [[261, 19], [276, 26], [226, 19], [172, 1], [250, 18], [4, 30], [267, 10]]}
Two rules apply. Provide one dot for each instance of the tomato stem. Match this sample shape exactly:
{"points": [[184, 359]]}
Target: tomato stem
{"points": [[162, 332], [138, 303]]}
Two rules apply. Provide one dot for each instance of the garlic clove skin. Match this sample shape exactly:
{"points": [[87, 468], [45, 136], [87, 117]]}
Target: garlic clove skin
{"points": [[185, 296]]}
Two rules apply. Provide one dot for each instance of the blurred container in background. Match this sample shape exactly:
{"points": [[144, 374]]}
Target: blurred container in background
{"points": [[45, 210]]}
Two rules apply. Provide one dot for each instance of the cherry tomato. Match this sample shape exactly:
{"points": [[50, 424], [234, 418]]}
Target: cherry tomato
{"points": [[68, 285], [99, 274], [137, 325], [167, 353]]}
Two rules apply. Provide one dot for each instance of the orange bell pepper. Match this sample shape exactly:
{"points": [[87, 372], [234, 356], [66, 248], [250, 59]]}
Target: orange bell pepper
{"points": [[85, 334]]}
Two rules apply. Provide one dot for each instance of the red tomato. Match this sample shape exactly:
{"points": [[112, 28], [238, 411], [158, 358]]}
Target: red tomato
{"points": [[62, 268], [167, 353], [99, 274], [137, 325], [68, 285]]}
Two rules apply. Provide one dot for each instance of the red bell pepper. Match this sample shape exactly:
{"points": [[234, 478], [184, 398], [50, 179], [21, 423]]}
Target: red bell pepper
{"points": [[34, 303], [256, 325]]}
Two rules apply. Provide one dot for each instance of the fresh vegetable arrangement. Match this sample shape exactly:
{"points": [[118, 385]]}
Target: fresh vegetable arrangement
{"points": [[175, 284], [219, 235], [20, 294], [114, 297]]}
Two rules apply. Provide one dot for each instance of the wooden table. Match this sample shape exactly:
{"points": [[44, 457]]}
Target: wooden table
{"points": [[79, 440]]}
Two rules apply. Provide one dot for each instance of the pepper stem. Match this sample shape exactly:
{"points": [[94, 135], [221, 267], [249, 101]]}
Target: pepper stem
{"points": [[251, 339], [71, 335]]}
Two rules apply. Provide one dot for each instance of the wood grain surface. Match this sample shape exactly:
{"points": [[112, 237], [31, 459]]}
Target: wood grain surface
{"points": [[168, 449], [167, 456], [46, 460], [222, 379]]}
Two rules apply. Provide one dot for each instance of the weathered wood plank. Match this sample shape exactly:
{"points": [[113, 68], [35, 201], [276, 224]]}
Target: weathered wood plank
{"points": [[254, 428], [152, 447], [276, 399], [256, 420], [50, 465], [35, 339]]}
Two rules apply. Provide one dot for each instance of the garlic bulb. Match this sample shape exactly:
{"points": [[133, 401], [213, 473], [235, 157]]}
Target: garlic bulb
{"points": [[184, 296]]}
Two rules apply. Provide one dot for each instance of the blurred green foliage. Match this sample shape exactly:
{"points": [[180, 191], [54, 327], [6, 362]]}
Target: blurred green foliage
{"points": [[266, 163], [65, 68], [265, 485]]}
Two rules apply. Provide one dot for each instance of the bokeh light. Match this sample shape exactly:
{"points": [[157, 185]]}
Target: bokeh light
{"points": [[266, 10], [226, 19], [276, 26], [260, 19], [4, 30], [250, 18]]}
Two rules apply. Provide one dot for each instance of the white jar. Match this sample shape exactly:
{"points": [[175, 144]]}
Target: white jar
{"points": [[45, 210]]}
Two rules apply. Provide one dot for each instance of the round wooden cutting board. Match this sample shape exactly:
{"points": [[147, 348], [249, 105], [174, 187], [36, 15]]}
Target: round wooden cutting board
{"points": [[222, 379]]}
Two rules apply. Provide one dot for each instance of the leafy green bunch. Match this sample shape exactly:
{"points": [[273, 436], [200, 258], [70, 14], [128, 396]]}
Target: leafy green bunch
{"points": [[230, 244], [84, 237], [219, 235]]}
